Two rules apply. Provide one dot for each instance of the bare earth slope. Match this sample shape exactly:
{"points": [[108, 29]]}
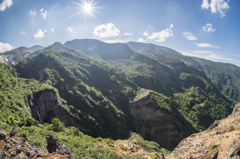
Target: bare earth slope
{"points": [[222, 138]]}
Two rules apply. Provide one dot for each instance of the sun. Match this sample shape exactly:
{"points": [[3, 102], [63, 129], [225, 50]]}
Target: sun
{"points": [[87, 8]]}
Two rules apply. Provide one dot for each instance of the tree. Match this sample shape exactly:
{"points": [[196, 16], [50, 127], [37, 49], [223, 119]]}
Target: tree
{"points": [[57, 125]]}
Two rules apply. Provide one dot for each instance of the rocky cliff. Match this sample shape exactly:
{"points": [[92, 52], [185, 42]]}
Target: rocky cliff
{"points": [[156, 124], [16, 145], [220, 140], [50, 106]]}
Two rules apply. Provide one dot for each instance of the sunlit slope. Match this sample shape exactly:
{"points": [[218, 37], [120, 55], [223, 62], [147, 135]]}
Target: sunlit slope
{"points": [[100, 49], [226, 77], [95, 90]]}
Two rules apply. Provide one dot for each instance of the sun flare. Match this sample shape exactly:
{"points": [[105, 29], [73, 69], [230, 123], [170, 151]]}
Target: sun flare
{"points": [[87, 8]]}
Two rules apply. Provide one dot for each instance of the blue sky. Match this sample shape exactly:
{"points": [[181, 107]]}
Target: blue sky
{"points": [[203, 28]]}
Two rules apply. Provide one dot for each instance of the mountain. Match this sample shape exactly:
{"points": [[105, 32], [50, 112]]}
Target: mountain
{"points": [[97, 93], [36, 48], [225, 77], [17, 111], [15, 55], [156, 95], [191, 92], [100, 49]]}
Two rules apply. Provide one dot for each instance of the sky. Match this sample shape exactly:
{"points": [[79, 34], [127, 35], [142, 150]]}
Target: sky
{"points": [[207, 29]]}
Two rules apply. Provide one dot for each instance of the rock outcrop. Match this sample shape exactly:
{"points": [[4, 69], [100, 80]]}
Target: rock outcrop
{"points": [[234, 150], [49, 107], [223, 133], [17, 145], [55, 147], [156, 124]]}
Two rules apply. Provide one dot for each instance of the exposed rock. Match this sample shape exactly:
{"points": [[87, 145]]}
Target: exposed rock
{"points": [[55, 147], [204, 153], [234, 150], [2, 135], [155, 123], [236, 109], [16, 145], [213, 125]]}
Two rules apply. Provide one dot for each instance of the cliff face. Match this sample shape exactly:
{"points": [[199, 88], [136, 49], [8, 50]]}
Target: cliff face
{"points": [[156, 124], [49, 108]]}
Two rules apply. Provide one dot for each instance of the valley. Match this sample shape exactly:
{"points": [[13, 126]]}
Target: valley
{"points": [[97, 92]]}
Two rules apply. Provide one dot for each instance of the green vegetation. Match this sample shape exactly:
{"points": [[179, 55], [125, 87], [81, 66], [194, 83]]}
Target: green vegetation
{"points": [[123, 148], [149, 146], [154, 155], [94, 91], [213, 151], [231, 128], [79, 144]]}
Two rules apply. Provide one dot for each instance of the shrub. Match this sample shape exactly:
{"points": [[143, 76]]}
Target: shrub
{"points": [[57, 125], [123, 148]]}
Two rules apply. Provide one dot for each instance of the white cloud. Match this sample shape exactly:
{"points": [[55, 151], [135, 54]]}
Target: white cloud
{"points": [[208, 28], [43, 13], [162, 35], [189, 35], [205, 4], [39, 34], [127, 34], [5, 4], [141, 40], [70, 29], [32, 13], [211, 56], [106, 31], [145, 33], [5, 47], [205, 45], [45, 31], [216, 6], [22, 32], [52, 29]]}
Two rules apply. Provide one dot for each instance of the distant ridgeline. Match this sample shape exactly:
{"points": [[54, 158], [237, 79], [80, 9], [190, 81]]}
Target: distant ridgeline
{"points": [[89, 84]]}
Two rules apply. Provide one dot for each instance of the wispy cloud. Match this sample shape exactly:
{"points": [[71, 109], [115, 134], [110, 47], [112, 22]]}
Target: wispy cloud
{"points": [[5, 4], [205, 45], [70, 29], [161, 35], [107, 31], [52, 29], [127, 34], [39, 34], [43, 13], [209, 55], [22, 32], [32, 13], [216, 6], [208, 28], [202, 52], [5, 47], [189, 35], [141, 40]]}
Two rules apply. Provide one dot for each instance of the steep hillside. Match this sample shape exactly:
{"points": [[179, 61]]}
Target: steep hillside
{"points": [[15, 55], [97, 93], [191, 92], [225, 77], [100, 49], [221, 140], [17, 109]]}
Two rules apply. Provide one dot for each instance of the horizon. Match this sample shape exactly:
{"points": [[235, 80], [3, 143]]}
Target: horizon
{"points": [[204, 28]]}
